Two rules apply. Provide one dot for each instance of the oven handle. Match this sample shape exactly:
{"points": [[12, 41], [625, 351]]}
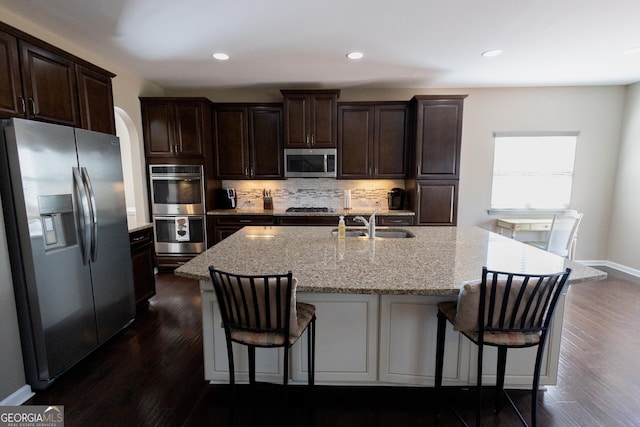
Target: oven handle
{"points": [[173, 217], [176, 178]]}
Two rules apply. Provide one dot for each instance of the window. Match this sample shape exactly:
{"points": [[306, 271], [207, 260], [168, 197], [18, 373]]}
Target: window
{"points": [[533, 171]]}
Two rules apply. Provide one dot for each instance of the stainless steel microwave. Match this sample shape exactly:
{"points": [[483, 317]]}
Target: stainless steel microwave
{"points": [[310, 162]]}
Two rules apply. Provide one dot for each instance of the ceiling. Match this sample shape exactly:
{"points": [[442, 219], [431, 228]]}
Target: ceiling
{"points": [[303, 43]]}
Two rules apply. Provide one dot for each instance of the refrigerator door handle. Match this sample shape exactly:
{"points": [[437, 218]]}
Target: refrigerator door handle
{"points": [[94, 214], [83, 205]]}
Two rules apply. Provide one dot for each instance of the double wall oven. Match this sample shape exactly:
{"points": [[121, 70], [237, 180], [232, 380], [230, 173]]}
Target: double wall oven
{"points": [[178, 209]]}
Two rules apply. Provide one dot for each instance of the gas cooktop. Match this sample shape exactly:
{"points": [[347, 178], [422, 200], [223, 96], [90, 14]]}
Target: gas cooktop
{"points": [[308, 210]]}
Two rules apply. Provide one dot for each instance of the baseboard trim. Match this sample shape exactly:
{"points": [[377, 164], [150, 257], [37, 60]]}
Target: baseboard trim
{"points": [[614, 265], [18, 397]]}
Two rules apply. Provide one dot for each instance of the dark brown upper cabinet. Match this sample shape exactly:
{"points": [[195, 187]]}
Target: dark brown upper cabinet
{"points": [[96, 100], [373, 140], [310, 118], [41, 82], [175, 127], [11, 99], [438, 127], [248, 141], [50, 89]]}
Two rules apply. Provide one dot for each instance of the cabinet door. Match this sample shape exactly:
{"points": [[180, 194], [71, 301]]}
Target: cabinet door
{"points": [[439, 128], [265, 137], [296, 124], [408, 331], [158, 128], [390, 141], [49, 85], [143, 264], [269, 361], [96, 101], [346, 339], [232, 146], [354, 141], [11, 100], [323, 120], [437, 203], [189, 128]]}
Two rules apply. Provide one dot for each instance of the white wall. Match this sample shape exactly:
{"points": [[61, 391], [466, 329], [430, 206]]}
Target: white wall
{"points": [[595, 112], [624, 237]]}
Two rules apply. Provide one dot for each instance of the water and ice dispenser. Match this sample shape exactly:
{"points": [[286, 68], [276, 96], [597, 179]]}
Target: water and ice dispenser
{"points": [[56, 216]]}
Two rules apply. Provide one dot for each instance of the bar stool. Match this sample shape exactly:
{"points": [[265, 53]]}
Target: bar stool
{"points": [[262, 311], [503, 310]]}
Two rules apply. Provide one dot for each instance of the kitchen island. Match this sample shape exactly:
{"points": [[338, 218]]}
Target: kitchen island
{"points": [[376, 301]]}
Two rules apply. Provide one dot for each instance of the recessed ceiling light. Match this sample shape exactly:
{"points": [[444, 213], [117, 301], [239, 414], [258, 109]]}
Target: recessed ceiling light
{"points": [[631, 51], [355, 55], [491, 53], [221, 56]]}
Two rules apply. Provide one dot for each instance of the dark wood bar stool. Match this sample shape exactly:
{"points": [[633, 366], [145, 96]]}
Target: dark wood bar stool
{"points": [[262, 311], [503, 310]]}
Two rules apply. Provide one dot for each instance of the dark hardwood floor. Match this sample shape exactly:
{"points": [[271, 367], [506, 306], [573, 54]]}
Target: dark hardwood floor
{"points": [[151, 374]]}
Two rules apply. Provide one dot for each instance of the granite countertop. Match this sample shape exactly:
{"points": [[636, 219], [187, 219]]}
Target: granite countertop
{"points": [[435, 262], [331, 212]]}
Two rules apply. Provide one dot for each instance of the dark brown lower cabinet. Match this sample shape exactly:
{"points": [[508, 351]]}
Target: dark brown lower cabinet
{"points": [[142, 256], [223, 226], [436, 202], [220, 227]]}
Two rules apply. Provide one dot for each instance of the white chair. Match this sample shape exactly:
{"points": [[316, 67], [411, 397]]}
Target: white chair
{"points": [[562, 234]]}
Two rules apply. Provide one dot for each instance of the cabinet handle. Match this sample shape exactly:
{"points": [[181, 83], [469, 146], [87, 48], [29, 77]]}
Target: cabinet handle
{"points": [[137, 239], [246, 171], [396, 221], [245, 221], [34, 108], [313, 140], [24, 106], [252, 172], [307, 140]]}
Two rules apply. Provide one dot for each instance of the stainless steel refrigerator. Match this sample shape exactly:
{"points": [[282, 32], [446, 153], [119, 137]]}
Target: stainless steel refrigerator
{"points": [[66, 225]]}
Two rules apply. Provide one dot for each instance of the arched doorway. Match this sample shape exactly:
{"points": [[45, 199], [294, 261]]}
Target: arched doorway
{"points": [[132, 168]]}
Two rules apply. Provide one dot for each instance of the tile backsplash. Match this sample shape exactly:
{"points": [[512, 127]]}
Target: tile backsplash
{"points": [[313, 192]]}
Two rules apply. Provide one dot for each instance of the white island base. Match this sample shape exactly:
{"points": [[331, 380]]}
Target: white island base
{"points": [[375, 340], [376, 303]]}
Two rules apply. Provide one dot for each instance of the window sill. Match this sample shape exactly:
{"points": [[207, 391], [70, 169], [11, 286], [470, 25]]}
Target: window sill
{"points": [[525, 212]]}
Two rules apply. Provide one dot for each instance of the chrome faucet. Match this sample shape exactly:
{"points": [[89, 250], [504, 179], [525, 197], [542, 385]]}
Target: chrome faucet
{"points": [[369, 225]]}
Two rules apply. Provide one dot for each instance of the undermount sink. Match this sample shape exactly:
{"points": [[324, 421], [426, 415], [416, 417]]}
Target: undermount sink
{"points": [[383, 233]]}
